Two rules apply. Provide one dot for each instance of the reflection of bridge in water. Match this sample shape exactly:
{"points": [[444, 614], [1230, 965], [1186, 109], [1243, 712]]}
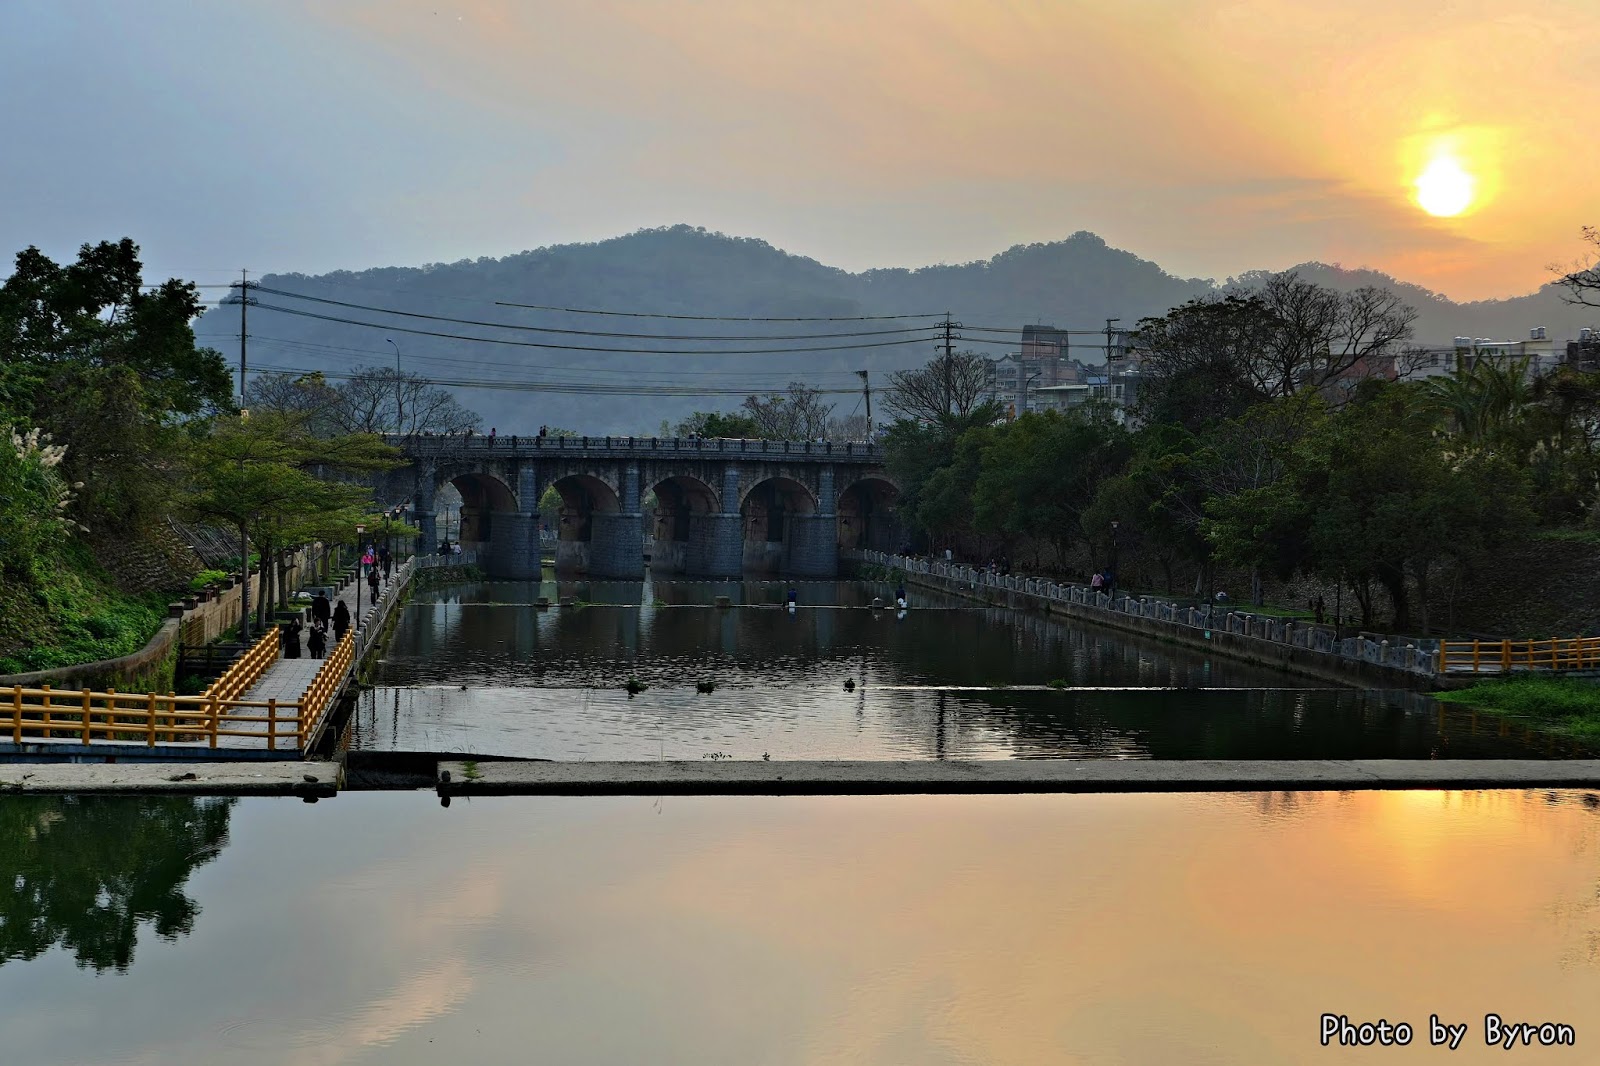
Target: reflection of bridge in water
{"points": [[722, 506]]}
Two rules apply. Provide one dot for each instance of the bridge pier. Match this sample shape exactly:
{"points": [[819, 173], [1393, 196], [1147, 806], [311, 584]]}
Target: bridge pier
{"points": [[512, 552], [616, 541], [716, 546]]}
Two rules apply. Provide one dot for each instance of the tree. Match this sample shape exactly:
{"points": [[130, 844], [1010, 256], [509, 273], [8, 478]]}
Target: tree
{"points": [[799, 414], [1041, 472], [1318, 336], [949, 391], [1583, 281], [718, 424], [107, 367], [1198, 361], [260, 475], [381, 400]]}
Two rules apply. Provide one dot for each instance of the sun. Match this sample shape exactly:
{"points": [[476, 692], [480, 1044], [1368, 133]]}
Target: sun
{"points": [[1445, 189]]}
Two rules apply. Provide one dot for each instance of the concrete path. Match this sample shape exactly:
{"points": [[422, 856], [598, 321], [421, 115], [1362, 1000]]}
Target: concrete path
{"points": [[308, 779], [286, 680], [1009, 776]]}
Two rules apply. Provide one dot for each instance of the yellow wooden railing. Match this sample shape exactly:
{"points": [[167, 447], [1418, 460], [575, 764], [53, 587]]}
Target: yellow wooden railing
{"points": [[318, 697], [84, 716], [1504, 656]]}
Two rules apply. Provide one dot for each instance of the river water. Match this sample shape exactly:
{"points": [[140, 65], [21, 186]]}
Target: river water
{"points": [[1144, 929], [478, 668]]}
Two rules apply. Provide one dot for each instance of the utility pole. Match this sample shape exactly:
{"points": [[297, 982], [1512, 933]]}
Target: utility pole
{"points": [[950, 338], [1109, 332], [244, 538], [866, 390]]}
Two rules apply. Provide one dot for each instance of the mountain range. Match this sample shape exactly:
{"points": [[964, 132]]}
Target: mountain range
{"points": [[546, 376]]}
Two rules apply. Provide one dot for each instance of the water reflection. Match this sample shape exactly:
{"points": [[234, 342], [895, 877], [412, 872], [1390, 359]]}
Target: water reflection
{"points": [[480, 669], [86, 872], [1002, 929]]}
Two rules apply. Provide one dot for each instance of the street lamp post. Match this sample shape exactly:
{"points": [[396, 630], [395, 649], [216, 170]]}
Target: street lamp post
{"points": [[360, 577], [399, 424], [1026, 381], [1114, 526]]}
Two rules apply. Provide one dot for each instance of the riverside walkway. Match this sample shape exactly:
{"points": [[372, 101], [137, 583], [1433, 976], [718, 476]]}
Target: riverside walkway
{"points": [[263, 706], [1422, 658]]}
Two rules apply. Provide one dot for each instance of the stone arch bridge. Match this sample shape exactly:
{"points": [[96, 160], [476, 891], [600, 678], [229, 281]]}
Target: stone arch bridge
{"points": [[719, 507]]}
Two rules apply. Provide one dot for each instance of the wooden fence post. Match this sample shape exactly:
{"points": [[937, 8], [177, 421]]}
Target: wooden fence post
{"points": [[150, 716], [86, 695], [272, 724], [16, 714]]}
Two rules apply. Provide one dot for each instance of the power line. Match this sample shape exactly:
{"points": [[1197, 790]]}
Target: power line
{"points": [[581, 332], [716, 318], [566, 387], [588, 348]]}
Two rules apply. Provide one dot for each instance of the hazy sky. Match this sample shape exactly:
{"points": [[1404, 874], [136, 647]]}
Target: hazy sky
{"points": [[1212, 136]]}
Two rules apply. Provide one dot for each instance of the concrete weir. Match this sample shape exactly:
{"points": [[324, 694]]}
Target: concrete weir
{"points": [[466, 778], [309, 780]]}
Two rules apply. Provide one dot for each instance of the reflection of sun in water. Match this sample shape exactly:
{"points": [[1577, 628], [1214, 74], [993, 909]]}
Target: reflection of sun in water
{"points": [[1444, 189]]}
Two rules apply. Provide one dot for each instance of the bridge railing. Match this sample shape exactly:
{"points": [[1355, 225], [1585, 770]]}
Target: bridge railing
{"points": [[1417, 656], [425, 444], [84, 716], [1506, 656]]}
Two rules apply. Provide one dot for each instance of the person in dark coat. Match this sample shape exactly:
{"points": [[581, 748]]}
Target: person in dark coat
{"points": [[372, 583], [317, 642], [341, 621], [291, 640], [321, 609]]}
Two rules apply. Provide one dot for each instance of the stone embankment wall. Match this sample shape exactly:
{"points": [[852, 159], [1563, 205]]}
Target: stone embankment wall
{"points": [[1308, 650]]}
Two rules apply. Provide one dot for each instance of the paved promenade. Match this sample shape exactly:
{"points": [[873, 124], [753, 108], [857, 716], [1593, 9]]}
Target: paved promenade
{"points": [[286, 680]]}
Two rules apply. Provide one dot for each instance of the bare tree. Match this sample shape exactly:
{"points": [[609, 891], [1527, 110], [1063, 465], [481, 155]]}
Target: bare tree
{"points": [[1583, 281], [1319, 336], [380, 400], [951, 387], [798, 415], [308, 395], [848, 427]]}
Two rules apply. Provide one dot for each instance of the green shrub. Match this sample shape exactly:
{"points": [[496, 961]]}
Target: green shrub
{"points": [[1566, 704]]}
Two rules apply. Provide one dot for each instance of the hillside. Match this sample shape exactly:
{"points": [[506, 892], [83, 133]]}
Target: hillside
{"points": [[1077, 282]]}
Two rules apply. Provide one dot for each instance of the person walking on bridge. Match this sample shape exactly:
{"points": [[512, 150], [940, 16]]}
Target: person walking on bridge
{"points": [[386, 559], [372, 583], [321, 609], [317, 642], [341, 621]]}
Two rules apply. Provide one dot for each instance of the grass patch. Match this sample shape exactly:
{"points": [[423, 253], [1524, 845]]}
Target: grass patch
{"points": [[469, 770], [1567, 705], [68, 611]]}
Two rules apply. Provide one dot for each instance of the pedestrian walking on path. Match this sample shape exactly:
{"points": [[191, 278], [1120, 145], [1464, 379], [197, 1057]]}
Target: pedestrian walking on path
{"points": [[321, 609], [291, 640], [372, 583], [317, 642], [341, 621]]}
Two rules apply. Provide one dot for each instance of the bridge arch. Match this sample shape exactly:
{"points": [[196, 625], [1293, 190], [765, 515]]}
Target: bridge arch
{"points": [[482, 496], [773, 512], [683, 505], [867, 514]]}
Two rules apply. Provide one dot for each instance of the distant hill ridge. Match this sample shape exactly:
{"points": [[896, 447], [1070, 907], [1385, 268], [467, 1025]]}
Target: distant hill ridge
{"points": [[1077, 283]]}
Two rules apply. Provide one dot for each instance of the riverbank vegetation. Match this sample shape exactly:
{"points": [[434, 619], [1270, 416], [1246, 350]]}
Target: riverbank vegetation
{"points": [[113, 424], [1568, 705], [1268, 441]]}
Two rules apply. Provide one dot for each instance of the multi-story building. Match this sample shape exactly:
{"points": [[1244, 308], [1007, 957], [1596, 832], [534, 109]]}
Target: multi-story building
{"points": [[1023, 381], [1541, 353]]}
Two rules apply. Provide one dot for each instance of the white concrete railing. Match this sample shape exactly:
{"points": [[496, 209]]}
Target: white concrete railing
{"points": [[1413, 656]]}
